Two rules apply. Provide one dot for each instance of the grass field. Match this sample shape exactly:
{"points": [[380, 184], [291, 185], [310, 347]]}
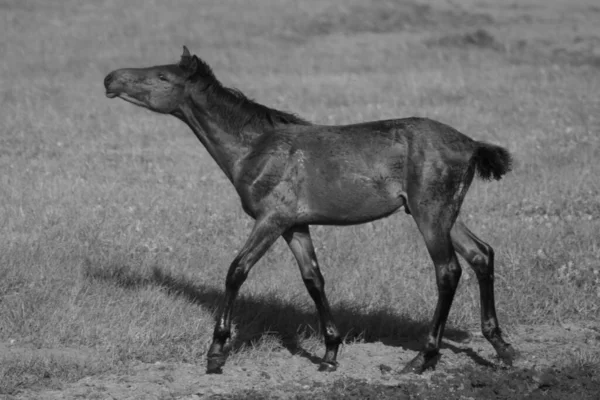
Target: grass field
{"points": [[117, 227]]}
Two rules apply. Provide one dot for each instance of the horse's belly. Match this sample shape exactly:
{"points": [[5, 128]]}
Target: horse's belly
{"points": [[345, 203]]}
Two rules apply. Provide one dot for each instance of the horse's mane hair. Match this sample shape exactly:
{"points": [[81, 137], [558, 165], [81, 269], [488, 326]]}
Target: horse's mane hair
{"points": [[237, 110]]}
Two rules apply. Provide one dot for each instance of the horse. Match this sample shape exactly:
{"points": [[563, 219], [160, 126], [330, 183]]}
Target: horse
{"points": [[290, 173]]}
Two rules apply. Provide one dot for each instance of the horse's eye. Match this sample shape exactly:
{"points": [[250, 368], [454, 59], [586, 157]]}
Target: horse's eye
{"points": [[162, 77]]}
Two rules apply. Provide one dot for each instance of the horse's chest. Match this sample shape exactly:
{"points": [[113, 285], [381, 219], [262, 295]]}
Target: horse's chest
{"points": [[265, 185]]}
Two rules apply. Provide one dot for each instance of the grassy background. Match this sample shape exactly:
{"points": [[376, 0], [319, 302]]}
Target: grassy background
{"points": [[117, 228]]}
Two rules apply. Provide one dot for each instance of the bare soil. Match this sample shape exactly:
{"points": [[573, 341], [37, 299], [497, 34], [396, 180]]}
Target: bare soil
{"points": [[556, 362]]}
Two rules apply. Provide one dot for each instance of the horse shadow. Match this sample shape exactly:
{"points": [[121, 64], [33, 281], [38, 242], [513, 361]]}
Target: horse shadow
{"points": [[255, 315]]}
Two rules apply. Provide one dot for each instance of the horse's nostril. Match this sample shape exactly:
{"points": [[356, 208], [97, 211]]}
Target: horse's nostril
{"points": [[109, 78]]}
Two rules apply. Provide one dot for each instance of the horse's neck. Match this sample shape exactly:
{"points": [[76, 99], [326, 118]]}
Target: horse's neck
{"points": [[226, 130], [225, 147]]}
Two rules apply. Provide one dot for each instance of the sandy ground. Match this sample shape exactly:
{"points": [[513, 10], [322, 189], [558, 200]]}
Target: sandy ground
{"points": [[467, 368]]}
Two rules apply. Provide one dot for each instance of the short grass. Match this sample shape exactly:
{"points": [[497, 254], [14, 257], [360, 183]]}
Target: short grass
{"points": [[117, 228]]}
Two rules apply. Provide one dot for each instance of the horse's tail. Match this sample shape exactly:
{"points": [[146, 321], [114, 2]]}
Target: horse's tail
{"points": [[491, 161]]}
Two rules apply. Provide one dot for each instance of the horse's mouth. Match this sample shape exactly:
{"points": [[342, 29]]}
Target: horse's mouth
{"points": [[126, 97]]}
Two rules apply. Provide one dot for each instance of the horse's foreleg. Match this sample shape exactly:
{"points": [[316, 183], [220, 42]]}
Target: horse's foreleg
{"points": [[263, 235], [299, 241]]}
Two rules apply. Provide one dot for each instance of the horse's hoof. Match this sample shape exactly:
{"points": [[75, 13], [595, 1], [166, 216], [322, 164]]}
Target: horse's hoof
{"points": [[215, 365], [508, 355], [412, 368], [328, 366], [420, 363]]}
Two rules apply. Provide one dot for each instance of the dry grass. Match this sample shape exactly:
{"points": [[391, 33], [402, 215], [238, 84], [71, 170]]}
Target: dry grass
{"points": [[117, 227]]}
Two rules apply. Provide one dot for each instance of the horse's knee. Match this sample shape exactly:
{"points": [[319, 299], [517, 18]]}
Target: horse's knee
{"points": [[449, 275], [236, 277]]}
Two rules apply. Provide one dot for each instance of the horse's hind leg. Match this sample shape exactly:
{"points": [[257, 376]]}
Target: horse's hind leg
{"points": [[435, 223], [480, 257], [299, 241]]}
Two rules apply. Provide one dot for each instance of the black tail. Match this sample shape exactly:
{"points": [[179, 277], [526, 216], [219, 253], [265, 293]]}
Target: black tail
{"points": [[491, 161]]}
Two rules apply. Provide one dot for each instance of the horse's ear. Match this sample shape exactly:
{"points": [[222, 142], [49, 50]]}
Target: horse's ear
{"points": [[186, 60], [189, 63]]}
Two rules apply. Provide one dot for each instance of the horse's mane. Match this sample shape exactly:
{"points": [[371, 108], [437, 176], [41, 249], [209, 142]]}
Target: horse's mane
{"points": [[237, 110]]}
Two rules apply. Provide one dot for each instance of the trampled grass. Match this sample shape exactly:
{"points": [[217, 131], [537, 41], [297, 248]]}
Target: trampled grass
{"points": [[118, 228]]}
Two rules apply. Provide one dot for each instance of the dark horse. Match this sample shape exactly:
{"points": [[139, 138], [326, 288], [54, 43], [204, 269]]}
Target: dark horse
{"points": [[290, 174]]}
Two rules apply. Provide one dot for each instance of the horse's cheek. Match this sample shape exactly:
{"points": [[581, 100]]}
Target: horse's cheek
{"points": [[171, 97]]}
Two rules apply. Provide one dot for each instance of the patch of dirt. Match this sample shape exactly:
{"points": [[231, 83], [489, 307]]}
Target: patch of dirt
{"points": [[556, 362]]}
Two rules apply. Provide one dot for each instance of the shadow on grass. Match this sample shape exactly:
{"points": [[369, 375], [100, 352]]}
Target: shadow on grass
{"points": [[257, 316]]}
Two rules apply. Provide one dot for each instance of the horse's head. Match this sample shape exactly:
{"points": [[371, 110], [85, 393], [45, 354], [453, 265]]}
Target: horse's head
{"points": [[161, 88]]}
